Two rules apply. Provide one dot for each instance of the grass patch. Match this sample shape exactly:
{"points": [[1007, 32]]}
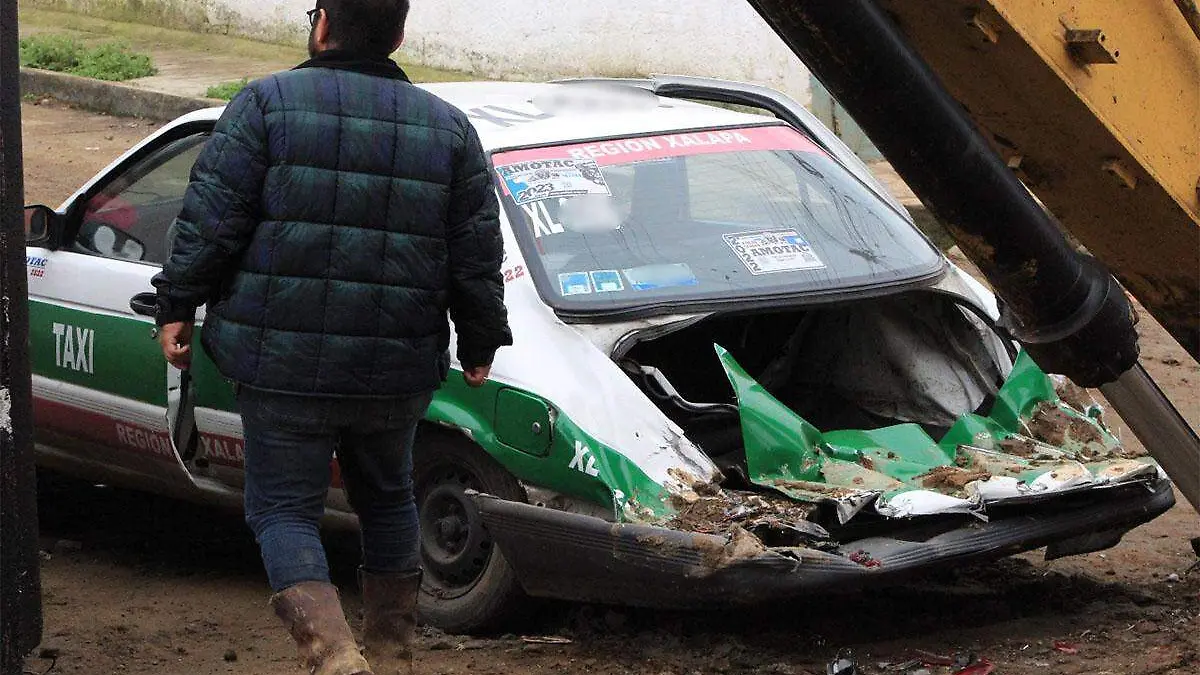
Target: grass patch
{"points": [[145, 36], [261, 57], [112, 60], [227, 90]]}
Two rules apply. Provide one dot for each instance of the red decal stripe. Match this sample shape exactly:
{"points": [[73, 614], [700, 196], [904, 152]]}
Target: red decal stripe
{"points": [[642, 149], [82, 423]]}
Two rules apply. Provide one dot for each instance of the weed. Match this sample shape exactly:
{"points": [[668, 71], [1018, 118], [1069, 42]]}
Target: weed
{"points": [[50, 52], [226, 90], [111, 60]]}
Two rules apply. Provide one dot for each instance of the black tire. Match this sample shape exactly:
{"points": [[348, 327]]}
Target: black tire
{"points": [[468, 585]]}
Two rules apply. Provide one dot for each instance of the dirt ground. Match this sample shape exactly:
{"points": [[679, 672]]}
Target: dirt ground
{"points": [[138, 584]]}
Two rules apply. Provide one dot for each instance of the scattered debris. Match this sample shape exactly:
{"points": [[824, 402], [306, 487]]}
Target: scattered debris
{"points": [[926, 663], [721, 512], [863, 558], [1172, 578], [739, 545], [1079, 433], [983, 667], [476, 644], [843, 666], [1073, 395], [1145, 627], [1019, 446], [545, 640], [230, 655], [951, 477], [1065, 647], [812, 490]]}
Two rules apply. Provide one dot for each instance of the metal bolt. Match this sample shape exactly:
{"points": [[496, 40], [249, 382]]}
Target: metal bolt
{"points": [[537, 428], [986, 30], [1087, 45], [1121, 171]]}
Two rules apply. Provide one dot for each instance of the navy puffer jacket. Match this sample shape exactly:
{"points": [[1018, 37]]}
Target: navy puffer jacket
{"points": [[336, 216]]}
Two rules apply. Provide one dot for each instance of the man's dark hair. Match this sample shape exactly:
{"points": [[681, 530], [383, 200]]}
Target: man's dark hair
{"points": [[368, 27]]}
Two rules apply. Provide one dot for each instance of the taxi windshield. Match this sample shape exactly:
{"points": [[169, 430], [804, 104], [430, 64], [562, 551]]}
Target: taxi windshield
{"points": [[704, 216]]}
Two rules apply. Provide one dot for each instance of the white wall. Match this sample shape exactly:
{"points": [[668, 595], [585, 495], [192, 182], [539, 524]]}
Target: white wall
{"points": [[537, 39], [547, 38]]}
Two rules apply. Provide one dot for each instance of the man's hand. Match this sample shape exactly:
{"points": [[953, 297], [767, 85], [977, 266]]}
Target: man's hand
{"points": [[176, 341], [476, 376]]}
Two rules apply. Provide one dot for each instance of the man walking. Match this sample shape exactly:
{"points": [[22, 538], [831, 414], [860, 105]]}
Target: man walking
{"points": [[334, 218]]}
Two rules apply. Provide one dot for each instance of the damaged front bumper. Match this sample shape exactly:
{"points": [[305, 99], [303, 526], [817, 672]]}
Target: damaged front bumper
{"points": [[582, 558]]}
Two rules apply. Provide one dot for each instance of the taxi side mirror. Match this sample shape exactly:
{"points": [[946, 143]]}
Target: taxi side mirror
{"points": [[41, 224]]}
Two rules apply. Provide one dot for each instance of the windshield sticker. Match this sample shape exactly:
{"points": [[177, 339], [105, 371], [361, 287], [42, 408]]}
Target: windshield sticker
{"points": [[665, 146], [540, 179], [574, 283], [539, 217], [650, 277], [774, 251], [607, 281]]}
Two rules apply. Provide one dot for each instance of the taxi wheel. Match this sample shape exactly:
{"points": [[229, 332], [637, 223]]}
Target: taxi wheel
{"points": [[468, 585]]}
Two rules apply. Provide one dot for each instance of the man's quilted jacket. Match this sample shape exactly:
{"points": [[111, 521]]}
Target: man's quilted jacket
{"points": [[335, 217]]}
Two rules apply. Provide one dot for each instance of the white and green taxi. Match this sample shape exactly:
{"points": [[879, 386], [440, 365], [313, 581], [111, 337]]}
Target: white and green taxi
{"points": [[740, 372]]}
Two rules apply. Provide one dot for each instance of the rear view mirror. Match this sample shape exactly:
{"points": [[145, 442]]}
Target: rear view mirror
{"points": [[39, 224]]}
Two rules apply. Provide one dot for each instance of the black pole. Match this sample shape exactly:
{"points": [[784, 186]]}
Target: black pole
{"points": [[20, 587], [1064, 307]]}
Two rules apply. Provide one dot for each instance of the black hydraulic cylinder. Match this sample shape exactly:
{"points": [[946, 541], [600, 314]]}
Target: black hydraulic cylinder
{"points": [[1064, 307], [20, 588]]}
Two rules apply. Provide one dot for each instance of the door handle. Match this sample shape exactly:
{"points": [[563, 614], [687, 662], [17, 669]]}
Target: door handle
{"points": [[145, 304]]}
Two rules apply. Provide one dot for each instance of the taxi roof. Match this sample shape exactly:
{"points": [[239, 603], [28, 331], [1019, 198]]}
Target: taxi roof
{"points": [[518, 114]]}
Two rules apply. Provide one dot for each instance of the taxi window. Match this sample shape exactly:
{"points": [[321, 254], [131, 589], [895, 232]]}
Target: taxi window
{"points": [[130, 217], [710, 215]]}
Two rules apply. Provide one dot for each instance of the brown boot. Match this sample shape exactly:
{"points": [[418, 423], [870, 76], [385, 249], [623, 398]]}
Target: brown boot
{"points": [[389, 619], [313, 614]]}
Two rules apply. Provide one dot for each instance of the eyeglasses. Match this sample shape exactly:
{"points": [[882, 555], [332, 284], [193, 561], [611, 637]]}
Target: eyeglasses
{"points": [[314, 15]]}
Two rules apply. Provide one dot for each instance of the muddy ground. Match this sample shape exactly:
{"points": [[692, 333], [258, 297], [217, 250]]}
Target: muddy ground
{"points": [[137, 584]]}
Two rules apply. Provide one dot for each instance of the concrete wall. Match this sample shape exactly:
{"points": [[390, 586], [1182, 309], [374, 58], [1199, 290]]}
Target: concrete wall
{"points": [[531, 39]]}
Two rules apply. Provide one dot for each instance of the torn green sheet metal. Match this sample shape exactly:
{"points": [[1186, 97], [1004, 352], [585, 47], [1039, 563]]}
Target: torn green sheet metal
{"points": [[1030, 443]]}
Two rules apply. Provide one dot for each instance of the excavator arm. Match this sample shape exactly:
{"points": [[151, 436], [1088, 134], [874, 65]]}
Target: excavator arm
{"points": [[1020, 122]]}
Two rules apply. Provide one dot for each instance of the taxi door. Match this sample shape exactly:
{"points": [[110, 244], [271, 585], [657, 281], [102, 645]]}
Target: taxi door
{"points": [[100, 384]]}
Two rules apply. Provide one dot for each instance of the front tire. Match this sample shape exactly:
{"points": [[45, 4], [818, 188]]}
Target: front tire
{"points": [[468, 585]]}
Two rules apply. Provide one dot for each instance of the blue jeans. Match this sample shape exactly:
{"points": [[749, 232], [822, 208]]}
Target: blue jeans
{"points": [[290, 445]]}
